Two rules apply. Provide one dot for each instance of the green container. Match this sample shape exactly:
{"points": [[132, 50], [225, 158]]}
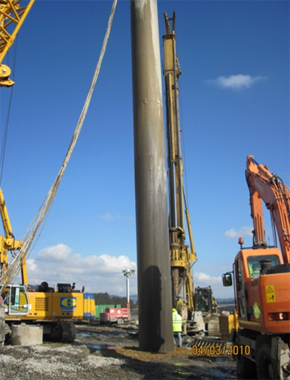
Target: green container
{"points": [[102, 308]]}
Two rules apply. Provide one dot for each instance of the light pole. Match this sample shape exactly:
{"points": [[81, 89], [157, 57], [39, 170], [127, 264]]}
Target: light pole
{"points": [[127, 273]]}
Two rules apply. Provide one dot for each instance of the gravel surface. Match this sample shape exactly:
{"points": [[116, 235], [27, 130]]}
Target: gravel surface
{"points": [[108, 352]]}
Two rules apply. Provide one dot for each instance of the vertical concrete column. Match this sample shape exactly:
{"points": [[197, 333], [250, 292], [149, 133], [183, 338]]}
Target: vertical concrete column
{"points": [[154, 282]]}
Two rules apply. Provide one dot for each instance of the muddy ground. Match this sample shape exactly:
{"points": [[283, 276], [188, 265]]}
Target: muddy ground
{"points": [[108, 352]]}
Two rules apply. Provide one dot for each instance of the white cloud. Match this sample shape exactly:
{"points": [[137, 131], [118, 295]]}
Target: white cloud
{"points": [[59, 252], [114, 263], [103, 273], [110, 217], [236, 82], [97, 273], [242, 232], [31, 264], [203, 279]]}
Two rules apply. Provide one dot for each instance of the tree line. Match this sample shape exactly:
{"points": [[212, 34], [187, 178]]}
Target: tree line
{"points": [[106, 299]]}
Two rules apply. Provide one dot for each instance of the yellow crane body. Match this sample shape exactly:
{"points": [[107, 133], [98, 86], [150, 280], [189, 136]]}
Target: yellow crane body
{"points": [[40, 306], [54, 309]]}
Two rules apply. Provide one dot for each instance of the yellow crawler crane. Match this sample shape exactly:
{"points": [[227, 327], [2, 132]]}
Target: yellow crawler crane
{"points": [[54, 309]]}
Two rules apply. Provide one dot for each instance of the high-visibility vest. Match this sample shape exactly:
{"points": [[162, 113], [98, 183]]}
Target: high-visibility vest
{"points": [[177, 322], [251, 270]]}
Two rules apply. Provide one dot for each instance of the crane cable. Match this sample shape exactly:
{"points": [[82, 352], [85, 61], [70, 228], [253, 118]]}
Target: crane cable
{"points": [[15, 265]]}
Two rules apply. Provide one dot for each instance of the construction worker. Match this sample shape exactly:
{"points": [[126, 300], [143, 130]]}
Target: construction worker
{"points": [[251, 270], [179, 304], [177, 327]]}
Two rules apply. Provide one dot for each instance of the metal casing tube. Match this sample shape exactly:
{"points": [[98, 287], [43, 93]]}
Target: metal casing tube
{"points": [[154, 282]]}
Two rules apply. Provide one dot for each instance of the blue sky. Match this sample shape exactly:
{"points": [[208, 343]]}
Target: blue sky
{"points": [[234, 100]]}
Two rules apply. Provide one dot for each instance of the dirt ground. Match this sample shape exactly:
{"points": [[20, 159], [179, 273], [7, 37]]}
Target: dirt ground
{"points": [[108, 352]]}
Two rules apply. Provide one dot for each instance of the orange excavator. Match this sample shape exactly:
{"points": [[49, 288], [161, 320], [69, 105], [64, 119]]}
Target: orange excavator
{"points": [[262, 283]]}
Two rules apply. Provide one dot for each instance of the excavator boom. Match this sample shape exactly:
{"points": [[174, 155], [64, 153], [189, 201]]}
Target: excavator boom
{"points": [[267, 187]]}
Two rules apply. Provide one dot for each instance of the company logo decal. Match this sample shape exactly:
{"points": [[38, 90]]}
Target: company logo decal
{"points": [[68, 304]]}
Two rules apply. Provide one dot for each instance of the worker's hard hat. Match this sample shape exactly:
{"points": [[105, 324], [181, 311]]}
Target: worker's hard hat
{"points": [[178, 296], [173, 310]]}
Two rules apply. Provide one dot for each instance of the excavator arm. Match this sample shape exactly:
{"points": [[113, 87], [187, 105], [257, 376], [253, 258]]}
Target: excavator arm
{"points": [[12, 16], [267, 187]]}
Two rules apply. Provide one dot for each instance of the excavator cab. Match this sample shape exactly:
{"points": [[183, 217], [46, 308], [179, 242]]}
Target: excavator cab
{"points": [[261, 287], [16, 300]]}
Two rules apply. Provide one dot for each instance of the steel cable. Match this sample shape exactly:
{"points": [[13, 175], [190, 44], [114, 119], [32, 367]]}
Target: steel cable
{"points": [[15, 264]]}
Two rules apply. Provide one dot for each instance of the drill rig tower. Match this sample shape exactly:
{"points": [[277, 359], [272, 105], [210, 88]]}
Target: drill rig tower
{"points": [[181, 255]]}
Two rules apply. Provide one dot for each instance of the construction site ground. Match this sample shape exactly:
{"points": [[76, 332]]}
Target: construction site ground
{"points": [[109, 352]]}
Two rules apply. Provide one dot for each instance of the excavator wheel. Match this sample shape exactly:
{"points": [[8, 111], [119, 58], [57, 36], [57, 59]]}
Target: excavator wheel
{"points": [[266, 366], [246, 369], [64, 332], [68, 332], [56, 332]]}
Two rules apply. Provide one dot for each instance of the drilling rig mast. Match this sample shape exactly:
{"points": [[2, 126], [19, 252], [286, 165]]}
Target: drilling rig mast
{"points": [[181, 255]]}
